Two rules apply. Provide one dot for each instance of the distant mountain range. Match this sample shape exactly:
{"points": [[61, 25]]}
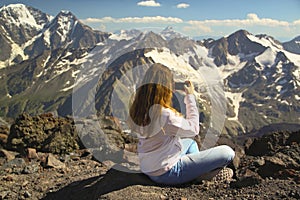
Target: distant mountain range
{"points": [[58, 64]]}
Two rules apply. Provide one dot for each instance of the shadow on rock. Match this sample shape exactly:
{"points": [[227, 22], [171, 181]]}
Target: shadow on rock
{"points": [[95, 187]]}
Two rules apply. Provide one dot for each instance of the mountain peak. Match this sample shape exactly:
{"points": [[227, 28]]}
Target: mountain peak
{"points": [[169, 33], [168, 28], [20, 14], [293, 45], [240, 33], [296, 39], [64, 21], [66, 13], [16, 6], [268, 37]]}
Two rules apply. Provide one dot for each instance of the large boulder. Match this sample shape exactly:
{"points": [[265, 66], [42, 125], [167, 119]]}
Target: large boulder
{"points": [[45, 133]]}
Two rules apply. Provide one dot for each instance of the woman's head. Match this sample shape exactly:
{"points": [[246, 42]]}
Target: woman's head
{"points": [[156, 88]]}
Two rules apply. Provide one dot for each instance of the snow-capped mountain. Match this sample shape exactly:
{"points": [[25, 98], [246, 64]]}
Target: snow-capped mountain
{"points": [[125, 34], [293, 45], [18, 24], [27, 32], [39, 55], [243, 81], [169, 33]]}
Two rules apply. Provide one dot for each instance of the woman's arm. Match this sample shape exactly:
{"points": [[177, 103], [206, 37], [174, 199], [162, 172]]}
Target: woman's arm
{"points": [[180, 126]]}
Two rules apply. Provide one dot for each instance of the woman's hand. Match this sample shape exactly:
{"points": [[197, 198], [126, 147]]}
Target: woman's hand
{"points": [[189, 87]]}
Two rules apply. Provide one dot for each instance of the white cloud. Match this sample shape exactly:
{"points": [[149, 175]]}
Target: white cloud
{"points": [[197, 26], [253, 16], [149, 3], [183, 5], [156, 19], [251, 20], [99, 20], [297, 22]]}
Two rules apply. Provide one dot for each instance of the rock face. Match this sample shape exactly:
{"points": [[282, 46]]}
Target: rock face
{"points": [[237, 43], [44, 133], [293, 45], [276, 155]]}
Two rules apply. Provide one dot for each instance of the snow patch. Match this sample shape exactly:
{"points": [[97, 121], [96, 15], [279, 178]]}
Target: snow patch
{"points": [[227, 70], [267, 58], [40, 74], [8, 95], [266, 42], [47, 36], [278, 88], [16, 50], [181, 68], [236, 100], [67, 88], [284, 102]]}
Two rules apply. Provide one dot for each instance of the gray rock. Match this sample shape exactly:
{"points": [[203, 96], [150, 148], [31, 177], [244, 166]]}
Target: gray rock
{"points": [[31, 168], [15, 166]]}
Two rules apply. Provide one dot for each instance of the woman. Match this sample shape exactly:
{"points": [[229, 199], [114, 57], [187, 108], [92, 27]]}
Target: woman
{"points": [[166, 149]]}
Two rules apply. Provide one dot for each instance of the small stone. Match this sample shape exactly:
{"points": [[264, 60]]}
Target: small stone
{"points": [[3, 138], [260, 161], [7, 154], [25, 183], [3, 194], [53, 162], [27, 194], [8, 178], [31, 153]]}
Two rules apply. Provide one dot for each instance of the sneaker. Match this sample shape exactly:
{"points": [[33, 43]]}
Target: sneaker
{"points": [[224, 175]]}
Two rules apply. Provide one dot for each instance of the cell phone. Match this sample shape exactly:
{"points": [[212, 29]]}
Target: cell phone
{"points": [[180, 85]]}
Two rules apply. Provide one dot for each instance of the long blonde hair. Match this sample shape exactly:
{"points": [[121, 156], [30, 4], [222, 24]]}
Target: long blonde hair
{"points": [[156, 89]]}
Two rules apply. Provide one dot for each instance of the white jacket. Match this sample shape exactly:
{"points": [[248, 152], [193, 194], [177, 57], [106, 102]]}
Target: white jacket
{"points": [[161, 150]]}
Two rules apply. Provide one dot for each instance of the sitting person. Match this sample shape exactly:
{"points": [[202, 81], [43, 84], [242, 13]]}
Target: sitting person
{"points": [[167, 152]]}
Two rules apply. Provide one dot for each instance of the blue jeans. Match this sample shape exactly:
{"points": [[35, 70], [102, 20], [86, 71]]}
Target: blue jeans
{"points": [[194, 163]]}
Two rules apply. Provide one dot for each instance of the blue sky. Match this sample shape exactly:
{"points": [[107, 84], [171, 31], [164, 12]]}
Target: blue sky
{"points": [[194, 18]]}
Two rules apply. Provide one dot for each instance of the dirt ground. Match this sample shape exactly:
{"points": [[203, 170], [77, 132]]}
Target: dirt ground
{"points": [[88, 179]]}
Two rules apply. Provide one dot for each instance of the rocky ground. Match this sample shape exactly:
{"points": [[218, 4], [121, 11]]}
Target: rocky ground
{"points": [[42, 158]]}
